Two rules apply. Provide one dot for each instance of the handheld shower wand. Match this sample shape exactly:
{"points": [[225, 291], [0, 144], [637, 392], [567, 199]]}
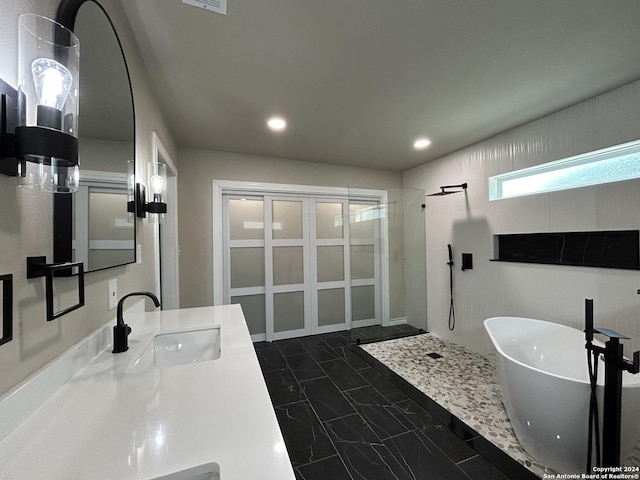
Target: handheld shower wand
{"points": [[452, 312]]}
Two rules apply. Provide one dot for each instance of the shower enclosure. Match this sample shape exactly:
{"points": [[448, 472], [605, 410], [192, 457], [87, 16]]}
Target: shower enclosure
{"points": [[390, 235]]}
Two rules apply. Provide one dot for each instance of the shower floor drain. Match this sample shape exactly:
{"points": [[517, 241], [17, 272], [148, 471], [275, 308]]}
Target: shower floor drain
{"points": [[434, 355]]}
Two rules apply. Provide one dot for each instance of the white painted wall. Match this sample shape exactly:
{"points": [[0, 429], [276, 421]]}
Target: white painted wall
{"points": [[468, 222]]}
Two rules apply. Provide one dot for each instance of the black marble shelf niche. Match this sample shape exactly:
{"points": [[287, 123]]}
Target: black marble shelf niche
{"points": [[607, 249]]}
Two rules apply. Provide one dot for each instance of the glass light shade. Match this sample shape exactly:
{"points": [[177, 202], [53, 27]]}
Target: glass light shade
{"points": [[49, 174], [156, 191], [157, 181], [48, 61], [131, 191], [157, 217]]}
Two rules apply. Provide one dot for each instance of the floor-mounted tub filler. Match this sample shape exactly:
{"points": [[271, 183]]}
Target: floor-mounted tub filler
{"points": [[542, 367]]}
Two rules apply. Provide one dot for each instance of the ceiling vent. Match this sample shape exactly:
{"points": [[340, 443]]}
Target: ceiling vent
{"points": [[218, 6]]}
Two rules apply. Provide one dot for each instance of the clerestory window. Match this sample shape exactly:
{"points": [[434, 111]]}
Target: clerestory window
{"points": [[612, 164]]}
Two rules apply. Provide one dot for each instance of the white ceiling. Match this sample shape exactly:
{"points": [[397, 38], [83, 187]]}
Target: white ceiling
{"points": [[360, 80]]}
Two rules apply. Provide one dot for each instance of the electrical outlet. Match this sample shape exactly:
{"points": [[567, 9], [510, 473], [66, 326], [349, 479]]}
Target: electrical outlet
{"points": [[113, 293]]}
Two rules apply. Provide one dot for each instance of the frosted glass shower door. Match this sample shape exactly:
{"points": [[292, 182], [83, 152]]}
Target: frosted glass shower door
{"points": [[294, 265], [364, 250], [287, 267], [267, 264], [331, 301], [244, 265]]}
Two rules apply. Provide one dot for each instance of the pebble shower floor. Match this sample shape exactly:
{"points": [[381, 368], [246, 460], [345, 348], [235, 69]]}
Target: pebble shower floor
{"points": [[464, 383]]}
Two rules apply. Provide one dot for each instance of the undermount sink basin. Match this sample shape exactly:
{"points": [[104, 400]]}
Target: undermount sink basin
{"points": [[207, 471], [180, 347]]}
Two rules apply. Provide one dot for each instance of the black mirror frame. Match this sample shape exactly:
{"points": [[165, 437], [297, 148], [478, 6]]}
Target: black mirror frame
{"points": [[63, 204]]}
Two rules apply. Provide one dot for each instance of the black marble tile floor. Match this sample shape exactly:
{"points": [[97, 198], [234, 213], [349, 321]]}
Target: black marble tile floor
{"points": [[342, 420]]}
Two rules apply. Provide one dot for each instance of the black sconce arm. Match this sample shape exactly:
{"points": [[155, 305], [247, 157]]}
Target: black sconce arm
{"points": [[8, 119]]}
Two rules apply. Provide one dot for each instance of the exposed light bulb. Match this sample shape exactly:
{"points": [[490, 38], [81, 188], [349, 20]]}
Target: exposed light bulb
{"points": [[53, 82], [51, 87], [156, 183]]}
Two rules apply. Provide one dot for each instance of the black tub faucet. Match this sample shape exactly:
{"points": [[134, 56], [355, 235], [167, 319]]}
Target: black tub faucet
{"points": [[121, 331]]}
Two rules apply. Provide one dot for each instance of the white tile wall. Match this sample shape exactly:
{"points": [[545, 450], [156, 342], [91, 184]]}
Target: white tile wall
{"points": [[469, 221]]}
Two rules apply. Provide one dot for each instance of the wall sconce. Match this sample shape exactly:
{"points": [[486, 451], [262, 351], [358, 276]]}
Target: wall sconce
{"points": [[39, 142], [157, 181]]}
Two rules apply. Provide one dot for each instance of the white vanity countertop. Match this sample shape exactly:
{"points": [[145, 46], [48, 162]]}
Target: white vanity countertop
{"points": [[107, 424]]}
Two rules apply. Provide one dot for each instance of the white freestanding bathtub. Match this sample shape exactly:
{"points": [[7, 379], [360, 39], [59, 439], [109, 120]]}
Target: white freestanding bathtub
{"points": [[542, 367]]}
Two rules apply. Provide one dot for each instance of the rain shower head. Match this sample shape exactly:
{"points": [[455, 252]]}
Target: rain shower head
{"points": [[445, 190], [440, 193]]}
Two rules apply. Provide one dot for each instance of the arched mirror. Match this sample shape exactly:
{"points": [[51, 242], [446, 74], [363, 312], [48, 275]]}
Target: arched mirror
{"points": [[94, 225]]}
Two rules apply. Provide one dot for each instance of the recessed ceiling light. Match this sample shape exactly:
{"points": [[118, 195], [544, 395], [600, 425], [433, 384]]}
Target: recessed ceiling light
{"points": [[277, 124], [421, 143]]}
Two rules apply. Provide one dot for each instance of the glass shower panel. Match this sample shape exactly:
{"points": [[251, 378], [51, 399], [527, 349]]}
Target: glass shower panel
{"points": [[287, 219], [330, 263], [253, 308], [331, 307], [413, 278], [365, 241], [329, 221], [246, 219], [389, 236], [288, 311], [363, 302], [288, 265], [362, 261], [247, 266], [362, 219]]}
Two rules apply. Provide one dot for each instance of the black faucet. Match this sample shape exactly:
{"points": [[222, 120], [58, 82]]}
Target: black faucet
{"points": [[614, 363], [121, 331]]}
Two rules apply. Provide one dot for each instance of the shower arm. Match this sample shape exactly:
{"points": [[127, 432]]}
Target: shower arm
{"points": [[444, 188], [462, 185]]}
